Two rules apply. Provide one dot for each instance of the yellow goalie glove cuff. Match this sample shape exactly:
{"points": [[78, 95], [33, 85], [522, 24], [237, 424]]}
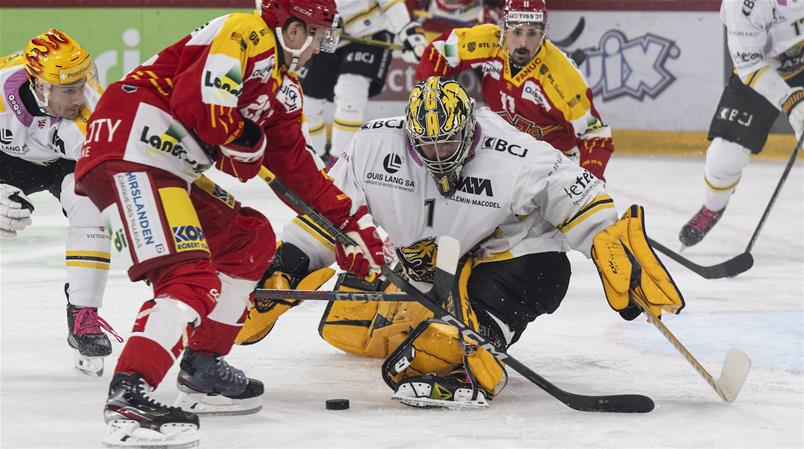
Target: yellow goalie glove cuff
{"points": [[612, 252], [263, 316]]}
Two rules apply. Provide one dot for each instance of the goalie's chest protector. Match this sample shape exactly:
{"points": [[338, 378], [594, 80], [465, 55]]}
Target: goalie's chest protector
{"points": [[403, 197]]}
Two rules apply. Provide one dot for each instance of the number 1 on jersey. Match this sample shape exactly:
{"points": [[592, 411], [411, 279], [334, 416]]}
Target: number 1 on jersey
{"points": [[429, 203]]}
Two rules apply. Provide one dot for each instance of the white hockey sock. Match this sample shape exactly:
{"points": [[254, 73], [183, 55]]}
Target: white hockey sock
{"points": [[88, 253], [724, 165]]}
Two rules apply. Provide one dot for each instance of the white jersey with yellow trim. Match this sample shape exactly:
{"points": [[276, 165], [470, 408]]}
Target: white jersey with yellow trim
{"points": [[363, 18], [766, 43], [29, 134], [517, 195]]}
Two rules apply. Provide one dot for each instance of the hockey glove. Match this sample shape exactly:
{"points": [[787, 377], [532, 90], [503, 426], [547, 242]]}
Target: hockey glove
{"points": [[242, 158], [618, 252], [793, 106], [413, 41], [595, 154], [15, 211], [368, 256]]}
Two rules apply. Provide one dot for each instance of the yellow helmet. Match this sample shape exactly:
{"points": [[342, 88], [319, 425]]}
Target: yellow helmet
{"points": [[440, 112], [56, 58]]}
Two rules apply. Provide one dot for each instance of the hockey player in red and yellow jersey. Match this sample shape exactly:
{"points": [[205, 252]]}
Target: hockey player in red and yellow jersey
{"points": [[528, 81], [227, 95]]}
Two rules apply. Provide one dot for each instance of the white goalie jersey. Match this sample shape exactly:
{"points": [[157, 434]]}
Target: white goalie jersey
{"points": [[516, 196], [766, 43]]}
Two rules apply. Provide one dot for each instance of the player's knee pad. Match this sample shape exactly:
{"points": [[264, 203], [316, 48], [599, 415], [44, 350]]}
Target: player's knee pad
{"points": [[370, 329], [351, 99], [724, 163], [437, 348], [289, 270]]}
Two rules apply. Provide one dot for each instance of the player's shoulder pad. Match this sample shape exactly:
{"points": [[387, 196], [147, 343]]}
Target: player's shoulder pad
{"points": [[479, 41], [251, 30], [560, 63], [500, 139]]}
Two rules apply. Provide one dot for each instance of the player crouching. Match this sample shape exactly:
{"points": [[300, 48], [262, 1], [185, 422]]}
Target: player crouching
{"points": [[536, 205]]}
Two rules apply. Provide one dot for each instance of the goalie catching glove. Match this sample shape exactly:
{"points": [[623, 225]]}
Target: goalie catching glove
{"points": [[367, 256], [15, 211], [618, 252]]}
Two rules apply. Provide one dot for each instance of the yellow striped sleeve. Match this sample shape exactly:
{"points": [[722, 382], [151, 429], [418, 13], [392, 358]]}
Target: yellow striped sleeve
{"points": [[599, 203]]}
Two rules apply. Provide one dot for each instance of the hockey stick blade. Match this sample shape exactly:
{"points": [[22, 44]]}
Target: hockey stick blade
{"points": [[730, 268], [733, 374], [446, 264]]}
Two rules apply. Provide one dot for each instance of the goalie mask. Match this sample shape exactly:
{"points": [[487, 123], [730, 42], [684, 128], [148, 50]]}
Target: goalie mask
{"points": [[440, 123]]}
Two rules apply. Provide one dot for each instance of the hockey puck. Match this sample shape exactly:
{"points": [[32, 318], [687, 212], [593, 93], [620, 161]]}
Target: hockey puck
{"points": [[337, 404]]}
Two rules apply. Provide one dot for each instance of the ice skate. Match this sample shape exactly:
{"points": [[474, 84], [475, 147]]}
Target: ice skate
{"points": [[208, 385], [698, 226], [429, 391], [135, 420], [86, 336]]}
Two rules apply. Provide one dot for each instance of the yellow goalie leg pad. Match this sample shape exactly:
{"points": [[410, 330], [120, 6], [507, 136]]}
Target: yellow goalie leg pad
{"points": [[368, 328], [262, 318], [611, 249], [437, 349]]}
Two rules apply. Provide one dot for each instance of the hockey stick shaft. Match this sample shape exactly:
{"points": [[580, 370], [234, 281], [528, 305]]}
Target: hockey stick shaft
{"points": [[372, 42], [320, 295], [773, 197], [641, 302], [732, 267], [612, 403]]}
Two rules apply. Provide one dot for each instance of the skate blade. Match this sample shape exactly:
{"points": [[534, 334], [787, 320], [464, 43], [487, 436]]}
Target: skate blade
{"points": [[127, 434], [90, 366], [210, 405], [435, 403]]}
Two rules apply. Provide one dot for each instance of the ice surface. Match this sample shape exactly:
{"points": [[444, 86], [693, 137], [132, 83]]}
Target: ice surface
{"points": [[584, 347]]}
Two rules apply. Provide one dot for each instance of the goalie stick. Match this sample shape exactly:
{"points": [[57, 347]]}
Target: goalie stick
{"points": [[735, 367], [445, 271]]}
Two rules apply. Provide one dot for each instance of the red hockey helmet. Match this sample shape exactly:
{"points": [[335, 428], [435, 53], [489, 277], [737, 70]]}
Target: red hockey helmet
{"points": [[525, 11], [319, 16], [276, 13]]}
